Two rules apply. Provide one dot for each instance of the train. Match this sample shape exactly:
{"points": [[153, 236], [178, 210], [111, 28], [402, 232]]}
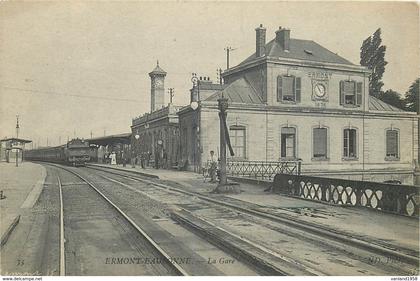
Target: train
{"points": [[75, 152]]}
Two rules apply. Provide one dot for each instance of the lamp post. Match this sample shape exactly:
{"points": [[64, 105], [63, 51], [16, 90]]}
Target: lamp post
{"points": [[134, 151], [194, 105]]}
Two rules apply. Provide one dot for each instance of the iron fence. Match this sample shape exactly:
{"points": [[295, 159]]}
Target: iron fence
{"points": [[394, 198], [263, 170]]}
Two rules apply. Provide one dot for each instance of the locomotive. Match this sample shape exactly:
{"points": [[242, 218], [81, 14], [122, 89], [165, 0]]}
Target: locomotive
{"points": [[75, 153]]}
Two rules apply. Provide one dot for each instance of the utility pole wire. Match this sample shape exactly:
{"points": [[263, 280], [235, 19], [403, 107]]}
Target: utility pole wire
{"points": [[68, 95]]}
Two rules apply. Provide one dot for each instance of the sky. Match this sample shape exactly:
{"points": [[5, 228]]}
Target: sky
{"points": [[80, 68]]}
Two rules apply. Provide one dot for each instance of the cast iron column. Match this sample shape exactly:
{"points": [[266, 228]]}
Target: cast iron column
{"points": [[223, 105]]}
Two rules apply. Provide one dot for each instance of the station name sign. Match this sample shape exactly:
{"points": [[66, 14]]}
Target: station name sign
{"points": [[320, 75]]}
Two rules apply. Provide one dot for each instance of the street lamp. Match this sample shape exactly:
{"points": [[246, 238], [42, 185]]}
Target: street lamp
{"points": [[195, 96], [134, 151]]}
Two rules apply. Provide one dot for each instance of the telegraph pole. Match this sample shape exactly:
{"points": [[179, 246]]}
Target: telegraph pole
{"points": [[219, 76], [17, 137], [227, 49], [17, 126], [171, 94]]}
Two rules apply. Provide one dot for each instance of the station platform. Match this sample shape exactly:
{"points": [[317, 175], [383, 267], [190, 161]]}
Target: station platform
{"points": [[372, 225], [21, 188]]}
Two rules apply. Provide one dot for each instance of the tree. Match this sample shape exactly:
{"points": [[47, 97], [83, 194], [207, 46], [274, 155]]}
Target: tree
{"points": [[393, 98], [412, 96], [372, 55]]}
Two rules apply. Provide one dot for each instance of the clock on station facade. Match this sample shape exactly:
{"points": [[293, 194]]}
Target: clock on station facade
{"points": [[320, 90]]}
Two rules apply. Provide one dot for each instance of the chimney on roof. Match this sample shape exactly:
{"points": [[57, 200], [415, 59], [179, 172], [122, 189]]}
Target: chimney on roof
{"points": [[283, 38], [260, 41]]}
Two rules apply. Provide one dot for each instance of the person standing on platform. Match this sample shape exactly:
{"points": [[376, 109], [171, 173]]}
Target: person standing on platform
{"points": [[156, 159], [142, 159], [113, 158], [148, 157], [165, 159], [123, 158], [133, 159], [213, 167]]}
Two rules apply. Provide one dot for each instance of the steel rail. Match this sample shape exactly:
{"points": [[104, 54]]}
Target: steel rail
{"points": [[311, 270], [284, 219], [175, 266], [62, 239]]}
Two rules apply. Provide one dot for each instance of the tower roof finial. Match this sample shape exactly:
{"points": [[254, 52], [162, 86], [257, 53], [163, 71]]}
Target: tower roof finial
{"points": [[157, 70]]}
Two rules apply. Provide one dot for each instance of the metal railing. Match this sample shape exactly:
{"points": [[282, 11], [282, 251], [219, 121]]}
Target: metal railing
{"points": [[264, 170], [394, 198]]}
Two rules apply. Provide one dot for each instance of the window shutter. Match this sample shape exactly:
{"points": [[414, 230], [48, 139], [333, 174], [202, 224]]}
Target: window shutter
{"points": [[392, 143], [352, 143], [297, 88], [320, 142], [346, 143], [279, 88], [283, 145], [359, 91], [288, 88], [341, 92]]}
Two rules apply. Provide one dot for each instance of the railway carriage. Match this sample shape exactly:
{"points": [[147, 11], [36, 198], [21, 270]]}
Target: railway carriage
{"points": [[75, 153]]}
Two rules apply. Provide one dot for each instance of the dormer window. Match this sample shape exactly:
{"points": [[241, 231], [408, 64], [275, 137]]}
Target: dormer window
{"points": [[288, 89], [351, 93]]}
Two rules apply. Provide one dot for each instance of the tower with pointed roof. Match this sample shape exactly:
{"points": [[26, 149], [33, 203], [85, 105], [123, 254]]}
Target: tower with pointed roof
{"points": [[157, 91]]}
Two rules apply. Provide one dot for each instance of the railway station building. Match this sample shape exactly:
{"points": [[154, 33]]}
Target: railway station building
{"points": [[155, 135], [294, 99]]}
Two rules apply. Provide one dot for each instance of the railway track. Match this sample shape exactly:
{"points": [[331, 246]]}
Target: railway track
{"points": [[75, 201], [357, 249]]}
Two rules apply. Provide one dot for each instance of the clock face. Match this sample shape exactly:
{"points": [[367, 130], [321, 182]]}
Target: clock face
{"points": [[158, 83], [320, 90]]}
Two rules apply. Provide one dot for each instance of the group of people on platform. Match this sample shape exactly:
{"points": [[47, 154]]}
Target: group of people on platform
{"points": [[157, 160], [145, 159]]}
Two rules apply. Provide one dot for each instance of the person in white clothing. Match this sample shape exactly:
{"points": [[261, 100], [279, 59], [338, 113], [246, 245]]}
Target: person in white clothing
{"points": [[113, 158]]}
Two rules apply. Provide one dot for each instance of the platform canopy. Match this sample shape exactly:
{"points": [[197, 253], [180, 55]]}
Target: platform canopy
{"points": [[111, 140], [14, 143], [14, 140]]}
